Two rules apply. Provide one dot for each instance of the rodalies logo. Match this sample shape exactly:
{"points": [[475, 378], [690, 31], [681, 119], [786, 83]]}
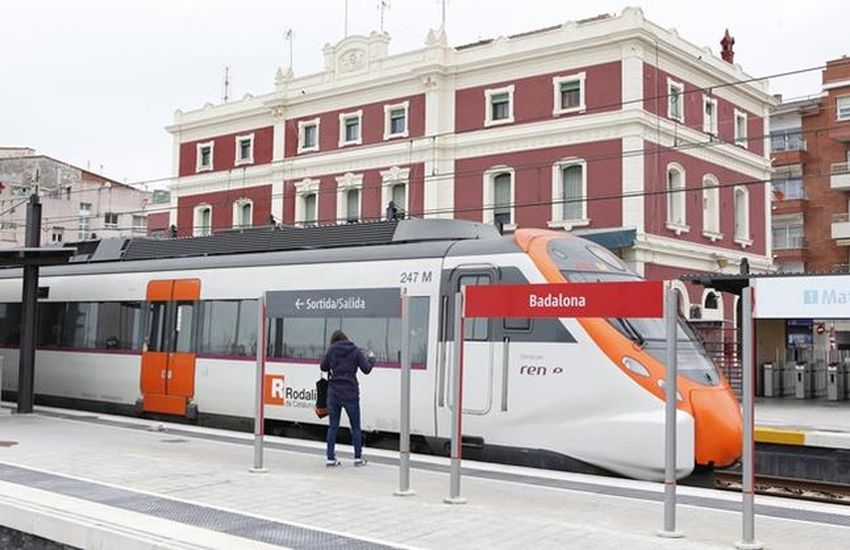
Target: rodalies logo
{"points": [[276, 392]]}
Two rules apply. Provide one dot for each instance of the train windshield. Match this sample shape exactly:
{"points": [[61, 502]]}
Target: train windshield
{"points": [[583, 262]]}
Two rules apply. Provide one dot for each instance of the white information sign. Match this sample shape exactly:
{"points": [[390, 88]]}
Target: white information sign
{"points": [[816, 297]]}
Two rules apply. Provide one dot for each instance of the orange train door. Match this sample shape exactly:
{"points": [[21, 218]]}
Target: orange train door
{"points": [[168, 358]]}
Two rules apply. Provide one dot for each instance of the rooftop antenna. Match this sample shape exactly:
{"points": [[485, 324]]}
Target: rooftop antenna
{"points": [[383, 6], [226, 93], [346, 18], [288, 37], [443, 15]]}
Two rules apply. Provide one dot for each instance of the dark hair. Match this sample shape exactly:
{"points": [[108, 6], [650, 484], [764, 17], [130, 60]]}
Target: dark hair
{"points": [[338, 336]]}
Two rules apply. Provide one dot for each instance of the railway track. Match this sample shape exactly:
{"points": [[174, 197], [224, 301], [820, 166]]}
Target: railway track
{"points": [[817, 491]]}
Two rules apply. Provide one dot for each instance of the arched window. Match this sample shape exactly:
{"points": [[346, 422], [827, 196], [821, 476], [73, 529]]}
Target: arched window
{"points": [[741, 209], [676, 215], [348, 196], [202, 223], [306, 203], [243, 213], [711, 207], [710, 301], [499, 196], [569, 193]]}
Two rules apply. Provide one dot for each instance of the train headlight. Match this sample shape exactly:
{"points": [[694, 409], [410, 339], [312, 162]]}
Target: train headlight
{"points": [[635, 366], [662, 384]]}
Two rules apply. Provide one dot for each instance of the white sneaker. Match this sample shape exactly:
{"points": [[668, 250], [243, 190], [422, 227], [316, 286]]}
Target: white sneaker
{"points": [[360, 461], [333, 463]]}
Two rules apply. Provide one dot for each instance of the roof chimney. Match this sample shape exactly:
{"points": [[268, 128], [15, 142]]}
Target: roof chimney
{"points": [[726, 44]]}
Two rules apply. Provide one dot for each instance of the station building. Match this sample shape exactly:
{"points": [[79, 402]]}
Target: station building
{"points": [[611, 127]]}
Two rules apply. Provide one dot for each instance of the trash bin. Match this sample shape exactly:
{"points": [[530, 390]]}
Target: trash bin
{"points": [[772, 380], [804, 380], [835, 384]]}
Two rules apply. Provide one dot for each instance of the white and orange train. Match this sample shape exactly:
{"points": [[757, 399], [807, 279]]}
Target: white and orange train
{"points": [[170, 327]]}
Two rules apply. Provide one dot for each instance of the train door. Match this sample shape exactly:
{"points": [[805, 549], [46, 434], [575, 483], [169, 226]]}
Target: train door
{"points": [[168, 358], [479, 350]]}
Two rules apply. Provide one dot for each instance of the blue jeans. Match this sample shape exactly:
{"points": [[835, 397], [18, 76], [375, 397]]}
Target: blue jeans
{"points": [[352, 409]]}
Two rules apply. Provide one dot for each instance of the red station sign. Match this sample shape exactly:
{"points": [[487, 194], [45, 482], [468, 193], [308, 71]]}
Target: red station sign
{"points": [[614, 299]]}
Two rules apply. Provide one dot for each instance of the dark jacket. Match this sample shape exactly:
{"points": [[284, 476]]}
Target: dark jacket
{"points": [[342, 360]]}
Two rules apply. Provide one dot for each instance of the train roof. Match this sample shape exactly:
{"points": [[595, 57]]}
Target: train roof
{"points": [[284, 245]]}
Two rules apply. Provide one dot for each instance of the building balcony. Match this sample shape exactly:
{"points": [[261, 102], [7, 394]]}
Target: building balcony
{"points": [[840, 176], [841, 226]]}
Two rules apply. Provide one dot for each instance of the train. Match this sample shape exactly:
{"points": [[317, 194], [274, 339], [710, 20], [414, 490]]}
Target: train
{"points": [[169, 328]]}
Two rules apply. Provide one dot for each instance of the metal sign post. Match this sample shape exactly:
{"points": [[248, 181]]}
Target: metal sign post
{"points": [[671, 307], [258, 395], [457, 403], [748, 541], [404, 428]]}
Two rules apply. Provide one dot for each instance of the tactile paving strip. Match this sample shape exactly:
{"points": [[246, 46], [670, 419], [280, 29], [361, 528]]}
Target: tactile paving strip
{"points": [[205, 517]]}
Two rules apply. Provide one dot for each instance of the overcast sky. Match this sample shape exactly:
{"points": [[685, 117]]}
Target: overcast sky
{"points": [[94, 82]]}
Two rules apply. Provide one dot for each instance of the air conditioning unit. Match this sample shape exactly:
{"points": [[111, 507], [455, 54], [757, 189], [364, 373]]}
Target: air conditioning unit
{"points": [[696, 312]]}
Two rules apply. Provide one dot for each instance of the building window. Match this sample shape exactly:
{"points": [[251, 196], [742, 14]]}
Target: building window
{"points": [[675, 100], [740, 128], [243, 213], [741, 208], [110, 219], [245, 149], [348, 197], [711, 208], [498, 197], [308, 135], [205, 156], [202, 224], [569, 194], [57, 235], [709, 115], [568, 94], [788, 188], [676, 214], [310, 209], [788, 233], [306, 202], [140, 222], [787, 140], [84, 221], [350, 128], [394, 190], [395, 120], [500, 106], [842, 108]]}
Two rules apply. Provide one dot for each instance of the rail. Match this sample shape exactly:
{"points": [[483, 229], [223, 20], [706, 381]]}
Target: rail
{"points": [[801, 489], [840, 168]]}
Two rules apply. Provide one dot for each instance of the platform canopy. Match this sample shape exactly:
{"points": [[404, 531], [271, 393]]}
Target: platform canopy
{"points": [[40, 256]]}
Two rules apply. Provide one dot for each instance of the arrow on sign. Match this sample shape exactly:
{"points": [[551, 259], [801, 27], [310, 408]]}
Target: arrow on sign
{"points": [[298, 304]]}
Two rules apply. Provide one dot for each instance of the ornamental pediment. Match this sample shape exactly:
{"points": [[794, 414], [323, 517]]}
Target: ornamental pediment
{"points": [[356, 54]]}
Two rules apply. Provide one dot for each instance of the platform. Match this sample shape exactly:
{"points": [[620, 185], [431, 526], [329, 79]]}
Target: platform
{"points": [[96, 481], [804, 422]]}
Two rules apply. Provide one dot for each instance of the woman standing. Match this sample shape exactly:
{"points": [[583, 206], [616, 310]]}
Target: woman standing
{"points": [[342, 361]]}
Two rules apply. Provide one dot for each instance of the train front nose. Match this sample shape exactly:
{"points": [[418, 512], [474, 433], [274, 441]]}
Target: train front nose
{"points": [[718, 426]]}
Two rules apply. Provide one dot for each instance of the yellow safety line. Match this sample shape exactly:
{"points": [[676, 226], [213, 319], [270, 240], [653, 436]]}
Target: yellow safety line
{"points": [[780, 435]]}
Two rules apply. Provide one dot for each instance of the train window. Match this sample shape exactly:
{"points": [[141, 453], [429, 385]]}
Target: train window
{"points": [[309, 338], [80, 325], [229, 327], [476, 329], [118, 325], [10, 324], [185, 317], [156, 327]]}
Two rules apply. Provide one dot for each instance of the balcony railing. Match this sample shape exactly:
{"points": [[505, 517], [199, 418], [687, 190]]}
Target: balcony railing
{"points": [[840, 175], [788, 242], [841, 226]]}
